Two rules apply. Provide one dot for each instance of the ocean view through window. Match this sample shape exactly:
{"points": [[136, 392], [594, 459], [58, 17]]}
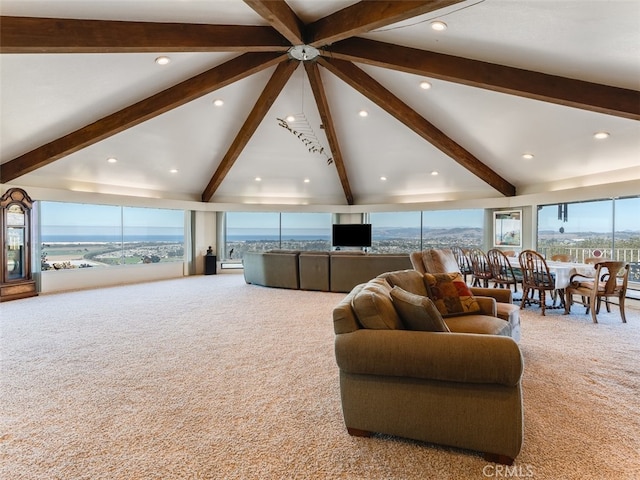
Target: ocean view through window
{"points": [[77, 235], [261, 231], [392, 232]]}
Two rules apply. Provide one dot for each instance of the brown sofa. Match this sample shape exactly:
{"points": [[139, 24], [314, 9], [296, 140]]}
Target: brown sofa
{"points": [[460, 388]]}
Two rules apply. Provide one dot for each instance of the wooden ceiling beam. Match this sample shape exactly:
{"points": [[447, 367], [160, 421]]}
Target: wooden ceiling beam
{"points": [[365, 16], [281, 17], [268, 96], [65, 35], [367, 86], [180, 94], [320, 96], [569, 92]]}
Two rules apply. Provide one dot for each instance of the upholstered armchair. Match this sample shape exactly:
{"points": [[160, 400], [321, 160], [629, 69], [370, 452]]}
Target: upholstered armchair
{"points": [[443, 260]]}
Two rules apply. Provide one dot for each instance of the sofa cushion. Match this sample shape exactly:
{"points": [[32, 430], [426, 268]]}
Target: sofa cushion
{"points": [[374, 308], [450, 293], [478, 324], [409, 280], [417, 312]]}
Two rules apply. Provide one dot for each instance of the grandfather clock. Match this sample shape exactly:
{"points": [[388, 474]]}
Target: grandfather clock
{"points": [[15, 269]]}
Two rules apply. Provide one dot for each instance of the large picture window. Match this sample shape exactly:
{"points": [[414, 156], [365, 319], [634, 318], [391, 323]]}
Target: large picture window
{"points": [[601, 228], [77, 235], [261, 231], [395, 232], [444, 228]]}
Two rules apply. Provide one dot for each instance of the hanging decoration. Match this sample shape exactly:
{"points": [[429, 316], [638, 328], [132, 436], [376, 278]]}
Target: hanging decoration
{"points": [[301, 129], [298, 124]]}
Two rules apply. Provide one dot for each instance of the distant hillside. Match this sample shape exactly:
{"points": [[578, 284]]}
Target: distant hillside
{"points": [[403, 232]]}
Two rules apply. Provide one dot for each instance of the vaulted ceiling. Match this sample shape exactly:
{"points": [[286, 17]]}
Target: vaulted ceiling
{"points": [[79, 85]]}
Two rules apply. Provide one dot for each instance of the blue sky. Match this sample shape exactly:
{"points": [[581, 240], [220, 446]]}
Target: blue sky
{"points": [[593, 216], [587, 216], [59, 213]]}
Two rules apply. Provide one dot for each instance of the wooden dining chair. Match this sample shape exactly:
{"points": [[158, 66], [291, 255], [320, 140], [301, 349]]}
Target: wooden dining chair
{"points": [[463, 260], [562, 257], [501, 270], [536, 277], [610, 281], [481, 269]]}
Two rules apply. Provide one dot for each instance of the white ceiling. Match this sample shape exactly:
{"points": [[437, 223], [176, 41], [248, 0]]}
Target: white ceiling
{"points": [[45, 96]]}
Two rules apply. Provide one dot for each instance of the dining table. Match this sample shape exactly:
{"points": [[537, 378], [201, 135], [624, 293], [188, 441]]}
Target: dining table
{"points": [[562, 271]]}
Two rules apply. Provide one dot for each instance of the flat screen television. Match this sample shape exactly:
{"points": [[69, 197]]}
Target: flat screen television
{"points": [[351, 235]]}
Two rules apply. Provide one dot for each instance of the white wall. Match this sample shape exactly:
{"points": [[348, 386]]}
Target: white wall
{"points": [[80, 278]]}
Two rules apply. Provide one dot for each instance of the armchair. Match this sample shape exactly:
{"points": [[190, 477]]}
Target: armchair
{"points": [[443, 261]]}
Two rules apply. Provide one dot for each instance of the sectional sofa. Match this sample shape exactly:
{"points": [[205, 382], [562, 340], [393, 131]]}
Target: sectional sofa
{"points": [[335, 271]]}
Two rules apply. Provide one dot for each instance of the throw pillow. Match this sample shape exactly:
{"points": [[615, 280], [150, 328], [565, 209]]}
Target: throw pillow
{"points": [[409, 280], [450, 293], [417, 312], [373, 307]]}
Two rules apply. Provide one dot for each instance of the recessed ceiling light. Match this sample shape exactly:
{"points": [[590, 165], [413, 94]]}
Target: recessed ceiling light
{"points": [[363, 113], [425, 85], [112, 160], [163, 60], [527, 156], [601, 135], [434, 173], [306, 180], [218, 102], [173, 170], [383, 178], [258, 179], [438, 25]]}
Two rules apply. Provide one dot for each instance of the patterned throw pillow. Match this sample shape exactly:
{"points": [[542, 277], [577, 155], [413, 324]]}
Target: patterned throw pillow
{"points": [[450, 293], [417, 312]]}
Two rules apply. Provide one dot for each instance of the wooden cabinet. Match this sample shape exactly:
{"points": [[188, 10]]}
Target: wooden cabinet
{"points": [[16, 267]]}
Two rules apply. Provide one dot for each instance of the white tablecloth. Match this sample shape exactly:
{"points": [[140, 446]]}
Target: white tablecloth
{"points": [[562, 270]]}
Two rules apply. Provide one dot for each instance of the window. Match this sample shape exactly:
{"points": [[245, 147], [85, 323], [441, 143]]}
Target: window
{"points": [[76, 235], [444, 228], [258, 231], [405, 232], [306, 231], [601, 228], [582, 230], [395, 232]]}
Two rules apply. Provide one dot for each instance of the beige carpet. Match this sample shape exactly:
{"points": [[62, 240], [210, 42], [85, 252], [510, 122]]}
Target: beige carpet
{"points": [[209, 378]]}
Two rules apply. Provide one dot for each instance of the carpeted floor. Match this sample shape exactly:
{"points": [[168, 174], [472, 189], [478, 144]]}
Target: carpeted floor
{"points": [[209, 378]]}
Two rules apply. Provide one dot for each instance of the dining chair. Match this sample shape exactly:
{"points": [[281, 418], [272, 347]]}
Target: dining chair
{"points": [[536, 277], [503, 273], [463, 260], [481, 269], [562, 257], [610, 281]]}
